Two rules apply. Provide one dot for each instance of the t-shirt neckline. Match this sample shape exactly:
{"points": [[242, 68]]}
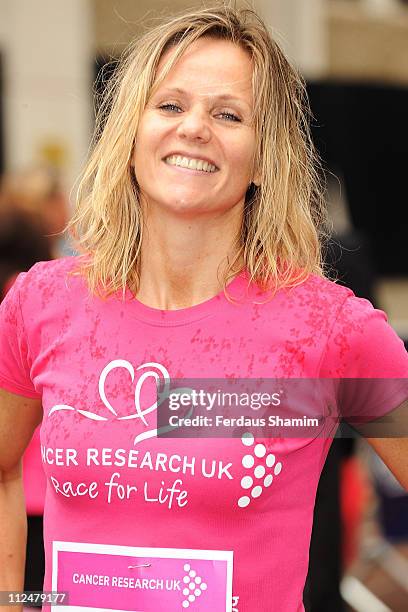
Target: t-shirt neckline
{"points": [[182, 316]]}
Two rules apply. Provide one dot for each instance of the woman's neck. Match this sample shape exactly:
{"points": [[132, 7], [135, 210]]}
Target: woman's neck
{"points": [[183, 261]]}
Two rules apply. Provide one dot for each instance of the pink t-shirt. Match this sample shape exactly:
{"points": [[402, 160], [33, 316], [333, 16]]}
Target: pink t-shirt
{"points": [[234, 511], [33, 474]]}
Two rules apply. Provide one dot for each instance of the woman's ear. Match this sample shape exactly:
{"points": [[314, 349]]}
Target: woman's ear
{"points": [[257, 179]]}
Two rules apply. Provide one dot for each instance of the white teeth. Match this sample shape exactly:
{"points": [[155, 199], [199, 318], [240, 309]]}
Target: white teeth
{"points": [[193, 164]]}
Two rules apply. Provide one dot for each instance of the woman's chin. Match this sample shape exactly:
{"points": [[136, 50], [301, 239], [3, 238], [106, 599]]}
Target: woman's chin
{"points": [[186, 205]]}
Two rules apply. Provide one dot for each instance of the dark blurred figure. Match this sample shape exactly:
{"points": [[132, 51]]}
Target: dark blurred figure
{"points": [[22, 244], [33, 212], [349, 260]]}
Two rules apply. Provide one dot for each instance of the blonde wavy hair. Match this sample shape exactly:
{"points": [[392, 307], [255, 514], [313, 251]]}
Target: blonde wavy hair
{"points": [[284, 218]]}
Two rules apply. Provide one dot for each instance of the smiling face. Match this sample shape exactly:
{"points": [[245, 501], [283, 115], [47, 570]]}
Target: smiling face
{"points": [[195, 143]]}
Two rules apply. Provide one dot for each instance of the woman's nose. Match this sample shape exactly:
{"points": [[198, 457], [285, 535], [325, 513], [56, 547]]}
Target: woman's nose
{"points": [[194, 125]]}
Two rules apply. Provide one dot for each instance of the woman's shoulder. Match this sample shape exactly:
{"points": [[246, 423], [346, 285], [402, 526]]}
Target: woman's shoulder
{"points": [[327, 306], [331, 294], [48, 279], [323, 284], [319, 293], [317, 301], [54, 268]]}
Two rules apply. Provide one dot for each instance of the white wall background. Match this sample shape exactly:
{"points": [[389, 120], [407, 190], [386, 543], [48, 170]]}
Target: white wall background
{"points": [[302, 31], [47, 51]]}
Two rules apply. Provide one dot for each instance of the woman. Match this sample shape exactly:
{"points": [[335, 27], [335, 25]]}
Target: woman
{"points": [[201, 178]]}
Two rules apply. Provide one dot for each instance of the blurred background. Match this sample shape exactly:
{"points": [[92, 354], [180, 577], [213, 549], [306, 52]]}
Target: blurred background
{"points": [[56, 55]]}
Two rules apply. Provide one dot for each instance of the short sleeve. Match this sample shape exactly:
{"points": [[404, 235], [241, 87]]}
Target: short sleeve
{"points": [[15, 357], [364, 351]]}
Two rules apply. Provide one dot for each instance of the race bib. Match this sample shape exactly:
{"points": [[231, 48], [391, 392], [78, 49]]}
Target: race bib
{"points": [[105, 577]]}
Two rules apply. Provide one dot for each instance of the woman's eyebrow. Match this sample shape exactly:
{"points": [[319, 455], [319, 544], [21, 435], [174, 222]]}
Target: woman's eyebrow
{"points": [[224, 97]]}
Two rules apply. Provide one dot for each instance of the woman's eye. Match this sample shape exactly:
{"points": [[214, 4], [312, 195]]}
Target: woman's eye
{"points": [[170, 107], [230, 116], [174, 108]]}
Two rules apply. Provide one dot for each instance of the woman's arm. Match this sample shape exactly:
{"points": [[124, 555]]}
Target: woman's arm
{"points": [[19, 416], [394, 453], [393, 450]]}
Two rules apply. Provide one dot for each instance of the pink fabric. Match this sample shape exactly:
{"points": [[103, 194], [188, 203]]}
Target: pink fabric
{"points": [[9, 283], [35, 483], [57, 341], [33, 473]]}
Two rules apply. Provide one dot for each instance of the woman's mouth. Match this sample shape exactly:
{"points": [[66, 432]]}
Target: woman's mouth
{"points": [[190, 163]]}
